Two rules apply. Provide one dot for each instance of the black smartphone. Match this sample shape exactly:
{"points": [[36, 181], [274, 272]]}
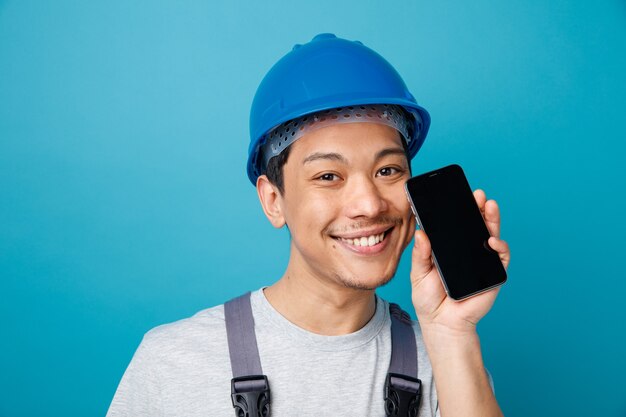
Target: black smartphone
{"points": [[445, 208]]}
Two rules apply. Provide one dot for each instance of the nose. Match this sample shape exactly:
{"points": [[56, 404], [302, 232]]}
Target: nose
{"points": [[364, 199]]}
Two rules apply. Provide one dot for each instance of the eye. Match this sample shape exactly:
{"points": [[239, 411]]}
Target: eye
{"points": [[328, 177], [388, 171]]}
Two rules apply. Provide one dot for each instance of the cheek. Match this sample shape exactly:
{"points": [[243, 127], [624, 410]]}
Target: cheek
{"points": [[311, 211], [402, 208], [398, 200]]}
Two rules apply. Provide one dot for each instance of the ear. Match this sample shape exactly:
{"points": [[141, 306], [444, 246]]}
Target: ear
{"points": [[271, 201]]}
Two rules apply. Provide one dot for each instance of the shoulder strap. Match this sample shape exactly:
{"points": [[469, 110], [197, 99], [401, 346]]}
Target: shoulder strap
{"points": [[403, 346], [244, 352], [402, 388], [250, 390]]}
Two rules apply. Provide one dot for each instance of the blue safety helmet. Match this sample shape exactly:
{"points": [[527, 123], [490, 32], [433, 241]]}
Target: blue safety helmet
{"points": [[327, 73]]}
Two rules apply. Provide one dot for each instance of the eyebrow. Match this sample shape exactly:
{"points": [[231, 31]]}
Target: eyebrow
{"points": [[390, 151], [332, 156]]}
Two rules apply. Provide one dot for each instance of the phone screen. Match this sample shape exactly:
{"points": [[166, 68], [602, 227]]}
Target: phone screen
{"points": [[446, 210]]}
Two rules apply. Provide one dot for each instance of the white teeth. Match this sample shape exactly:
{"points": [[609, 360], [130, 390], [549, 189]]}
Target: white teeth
{"points": [[365, 240]]}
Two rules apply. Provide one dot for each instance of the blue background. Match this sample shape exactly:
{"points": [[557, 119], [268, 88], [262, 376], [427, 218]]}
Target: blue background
{"points": [[124, 201]]}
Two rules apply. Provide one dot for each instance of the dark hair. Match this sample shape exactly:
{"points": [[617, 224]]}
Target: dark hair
{"points": [[275, 166], [274, 169]]}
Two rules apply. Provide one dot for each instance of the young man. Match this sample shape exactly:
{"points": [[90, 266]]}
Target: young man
{"points": [[333, 129]]}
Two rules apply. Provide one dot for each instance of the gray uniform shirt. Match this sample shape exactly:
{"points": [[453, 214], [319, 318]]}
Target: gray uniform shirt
{"points": [[183, 368]]}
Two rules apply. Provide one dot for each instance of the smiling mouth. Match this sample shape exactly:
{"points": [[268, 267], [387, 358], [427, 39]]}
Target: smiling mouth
{"points": [[366, 240]]}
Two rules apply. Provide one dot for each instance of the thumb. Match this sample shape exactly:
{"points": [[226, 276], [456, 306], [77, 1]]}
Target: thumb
{"points": [[422, 262]]}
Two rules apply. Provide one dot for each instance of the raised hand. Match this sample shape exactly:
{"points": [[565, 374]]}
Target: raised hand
{"points": [[432, 305]]}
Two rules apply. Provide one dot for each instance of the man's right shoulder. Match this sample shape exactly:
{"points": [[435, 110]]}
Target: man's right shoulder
{"points": [[178, 366], [197, 333]]}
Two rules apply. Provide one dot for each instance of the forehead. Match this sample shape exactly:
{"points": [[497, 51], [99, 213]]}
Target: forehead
{"points": [[352, 140]]}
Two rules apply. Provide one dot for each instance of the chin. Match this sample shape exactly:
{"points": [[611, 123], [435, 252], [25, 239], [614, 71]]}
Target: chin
{"points": [[358, 283]]}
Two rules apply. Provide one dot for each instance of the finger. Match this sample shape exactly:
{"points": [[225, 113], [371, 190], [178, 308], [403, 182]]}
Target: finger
{"points": [[422, 262], [481, 198], [502, 248], [492, 217]]}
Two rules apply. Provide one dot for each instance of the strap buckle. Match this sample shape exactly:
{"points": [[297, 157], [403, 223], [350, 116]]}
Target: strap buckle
{"points": [[251, 396], [402, 395]]}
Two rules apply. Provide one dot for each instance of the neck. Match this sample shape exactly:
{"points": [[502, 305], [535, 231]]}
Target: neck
{"points": [[321, 307]]}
